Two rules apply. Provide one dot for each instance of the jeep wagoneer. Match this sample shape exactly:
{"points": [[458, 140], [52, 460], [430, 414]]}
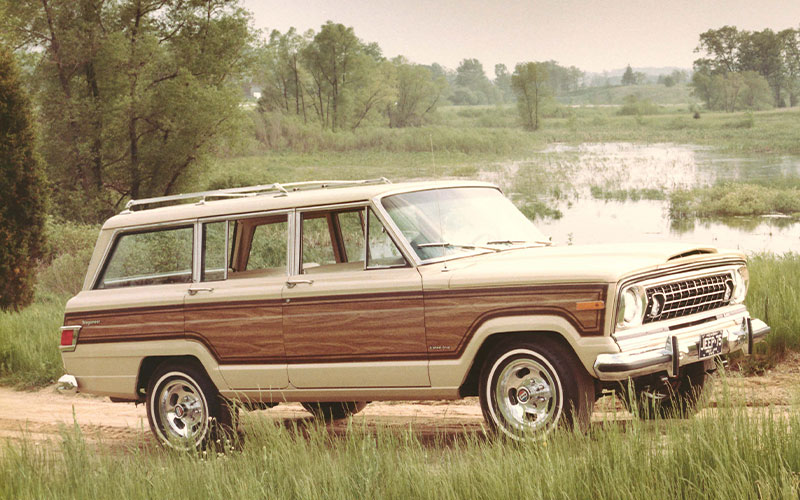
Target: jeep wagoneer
{"points": [[333, 294]]}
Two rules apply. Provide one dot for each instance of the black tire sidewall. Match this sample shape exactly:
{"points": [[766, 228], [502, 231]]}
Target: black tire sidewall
{"points": [[195, 377], [561, 367]]}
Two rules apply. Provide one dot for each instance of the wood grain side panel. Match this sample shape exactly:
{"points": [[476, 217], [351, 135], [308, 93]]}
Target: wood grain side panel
{"points": [[128, 324], [355, 329], [453, 316], [239, 332]]}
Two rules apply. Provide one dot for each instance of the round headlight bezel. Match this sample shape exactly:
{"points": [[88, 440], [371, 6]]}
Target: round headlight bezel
{"points": [[632, 306], [741, 282]]}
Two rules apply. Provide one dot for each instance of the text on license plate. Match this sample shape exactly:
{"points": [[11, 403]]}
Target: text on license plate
{"points": [[710, 345]]}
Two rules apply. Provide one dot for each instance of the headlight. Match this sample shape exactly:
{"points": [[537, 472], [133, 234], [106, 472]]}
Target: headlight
{"points": [[632, 304], [741, 280]]}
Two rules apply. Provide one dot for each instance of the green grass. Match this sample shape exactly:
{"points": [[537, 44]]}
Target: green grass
{"points": [[29, 355], [635, 194], [731, 453], [774, 296], [735, 198]]}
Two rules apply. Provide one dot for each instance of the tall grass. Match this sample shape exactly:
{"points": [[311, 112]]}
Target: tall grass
{"points": [[736, 198], [29, 355], [730, 453], [774, 296]]}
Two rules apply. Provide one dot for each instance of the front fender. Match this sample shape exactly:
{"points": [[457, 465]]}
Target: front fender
{"points": [[453, 372]]}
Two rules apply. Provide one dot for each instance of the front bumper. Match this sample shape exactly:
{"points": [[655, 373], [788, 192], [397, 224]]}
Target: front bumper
{"points": [[681, 348]]}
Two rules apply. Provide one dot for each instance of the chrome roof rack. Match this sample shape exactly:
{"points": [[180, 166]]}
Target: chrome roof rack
{"points": [[243, 192]]}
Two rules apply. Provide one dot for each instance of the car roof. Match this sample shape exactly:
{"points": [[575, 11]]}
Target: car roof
{"points": [[276, 200]]}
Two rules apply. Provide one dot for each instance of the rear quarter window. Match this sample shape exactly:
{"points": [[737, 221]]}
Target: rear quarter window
{"points": [[149, 258]]}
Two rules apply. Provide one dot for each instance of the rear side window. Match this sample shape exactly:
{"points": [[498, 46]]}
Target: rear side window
{"points": [[150, 258]]}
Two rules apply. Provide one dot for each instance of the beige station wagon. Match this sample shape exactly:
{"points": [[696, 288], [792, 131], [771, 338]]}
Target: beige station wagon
{"points": [[334, 294]]}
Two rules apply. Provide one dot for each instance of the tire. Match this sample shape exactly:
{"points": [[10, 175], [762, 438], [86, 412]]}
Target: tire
{"points": [[557, 389], [184, 408], [334, 411], [678, 398]]}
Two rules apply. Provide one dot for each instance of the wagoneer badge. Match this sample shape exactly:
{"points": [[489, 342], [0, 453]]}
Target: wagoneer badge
{"points": [[90, 322]]}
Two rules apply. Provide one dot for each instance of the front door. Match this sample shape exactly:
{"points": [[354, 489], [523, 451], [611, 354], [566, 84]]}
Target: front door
{"points": [[353, 313]]}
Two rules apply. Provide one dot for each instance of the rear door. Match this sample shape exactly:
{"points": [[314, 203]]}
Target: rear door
{"points": [[235, 308]]}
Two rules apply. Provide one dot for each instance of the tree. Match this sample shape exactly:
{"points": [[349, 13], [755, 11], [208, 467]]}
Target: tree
{"points": [[418, 92], [502, 82], [701, 82], [529, 82], [281, 74], [729, 50], [722, 48], [134, 94], [628, 78], [761, 51], [22, 189], [333, 58], [472, 86], [790, 53]]}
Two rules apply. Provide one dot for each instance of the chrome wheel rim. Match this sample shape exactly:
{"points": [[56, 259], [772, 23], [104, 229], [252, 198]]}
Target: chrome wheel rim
{"points": [[182, 410], [526, 396]]}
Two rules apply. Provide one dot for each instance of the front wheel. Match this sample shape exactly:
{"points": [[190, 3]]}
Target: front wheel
{"points": [[184, 408], [529, 388]]}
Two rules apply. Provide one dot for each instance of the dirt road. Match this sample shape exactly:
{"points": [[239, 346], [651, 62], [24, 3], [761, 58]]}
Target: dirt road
{"points": [[45, 413]]}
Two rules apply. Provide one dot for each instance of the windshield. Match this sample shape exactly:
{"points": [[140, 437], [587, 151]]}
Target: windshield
{"points": [[456, 221]]}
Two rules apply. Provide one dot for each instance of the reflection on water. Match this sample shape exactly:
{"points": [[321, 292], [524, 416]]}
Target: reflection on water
{"points": [[564, 177]]}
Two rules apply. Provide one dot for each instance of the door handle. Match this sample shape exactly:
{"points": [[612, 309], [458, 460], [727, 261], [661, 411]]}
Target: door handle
{"points": [[193, 291], [294, 282]]}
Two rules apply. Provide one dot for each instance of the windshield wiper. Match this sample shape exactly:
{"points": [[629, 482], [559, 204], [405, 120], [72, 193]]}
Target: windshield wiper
{"points": [[517, 242], [456, 245]]}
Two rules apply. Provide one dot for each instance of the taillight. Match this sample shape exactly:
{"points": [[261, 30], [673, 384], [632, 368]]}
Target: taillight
{"points": [[69, 338]]}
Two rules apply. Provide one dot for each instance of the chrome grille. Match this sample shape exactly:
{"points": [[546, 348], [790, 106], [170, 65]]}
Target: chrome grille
{"points": [[682, 298]]}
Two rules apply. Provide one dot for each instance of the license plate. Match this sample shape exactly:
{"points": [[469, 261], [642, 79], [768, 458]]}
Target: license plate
{"points": [[710, 345]]}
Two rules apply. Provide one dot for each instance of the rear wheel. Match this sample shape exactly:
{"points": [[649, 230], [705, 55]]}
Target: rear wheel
{"points": [[334, 411], [184, 408], [529, 388], [676, 397]]}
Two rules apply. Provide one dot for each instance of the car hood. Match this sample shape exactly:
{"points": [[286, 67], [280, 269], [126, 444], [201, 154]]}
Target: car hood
{"points": [[581, 263]]}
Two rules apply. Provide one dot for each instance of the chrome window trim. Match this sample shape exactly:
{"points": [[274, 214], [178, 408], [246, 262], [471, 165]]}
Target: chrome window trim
{"points": [[295, 243], [334, 207], [120, 231], [197, 250], [202, 225], [253, 215]]}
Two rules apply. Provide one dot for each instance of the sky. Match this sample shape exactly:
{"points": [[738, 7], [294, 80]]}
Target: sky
{"points": [[596, 35]]}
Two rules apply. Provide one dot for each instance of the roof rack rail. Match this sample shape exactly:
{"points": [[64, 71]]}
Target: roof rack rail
{"points": [[248, 191]]}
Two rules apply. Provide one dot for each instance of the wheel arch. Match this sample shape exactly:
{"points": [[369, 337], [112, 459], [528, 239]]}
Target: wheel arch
{"points": [[469, 387], [150, 364]]}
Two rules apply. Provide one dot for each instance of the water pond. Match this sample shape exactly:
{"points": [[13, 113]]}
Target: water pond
{"points": [[618, 192]]}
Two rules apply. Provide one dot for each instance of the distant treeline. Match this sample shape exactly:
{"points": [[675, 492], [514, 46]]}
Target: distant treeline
{"points": [[748, 69], [334, 78]]}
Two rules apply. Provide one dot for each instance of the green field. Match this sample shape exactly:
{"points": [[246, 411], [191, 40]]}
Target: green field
{"points": [[728, 453]]}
